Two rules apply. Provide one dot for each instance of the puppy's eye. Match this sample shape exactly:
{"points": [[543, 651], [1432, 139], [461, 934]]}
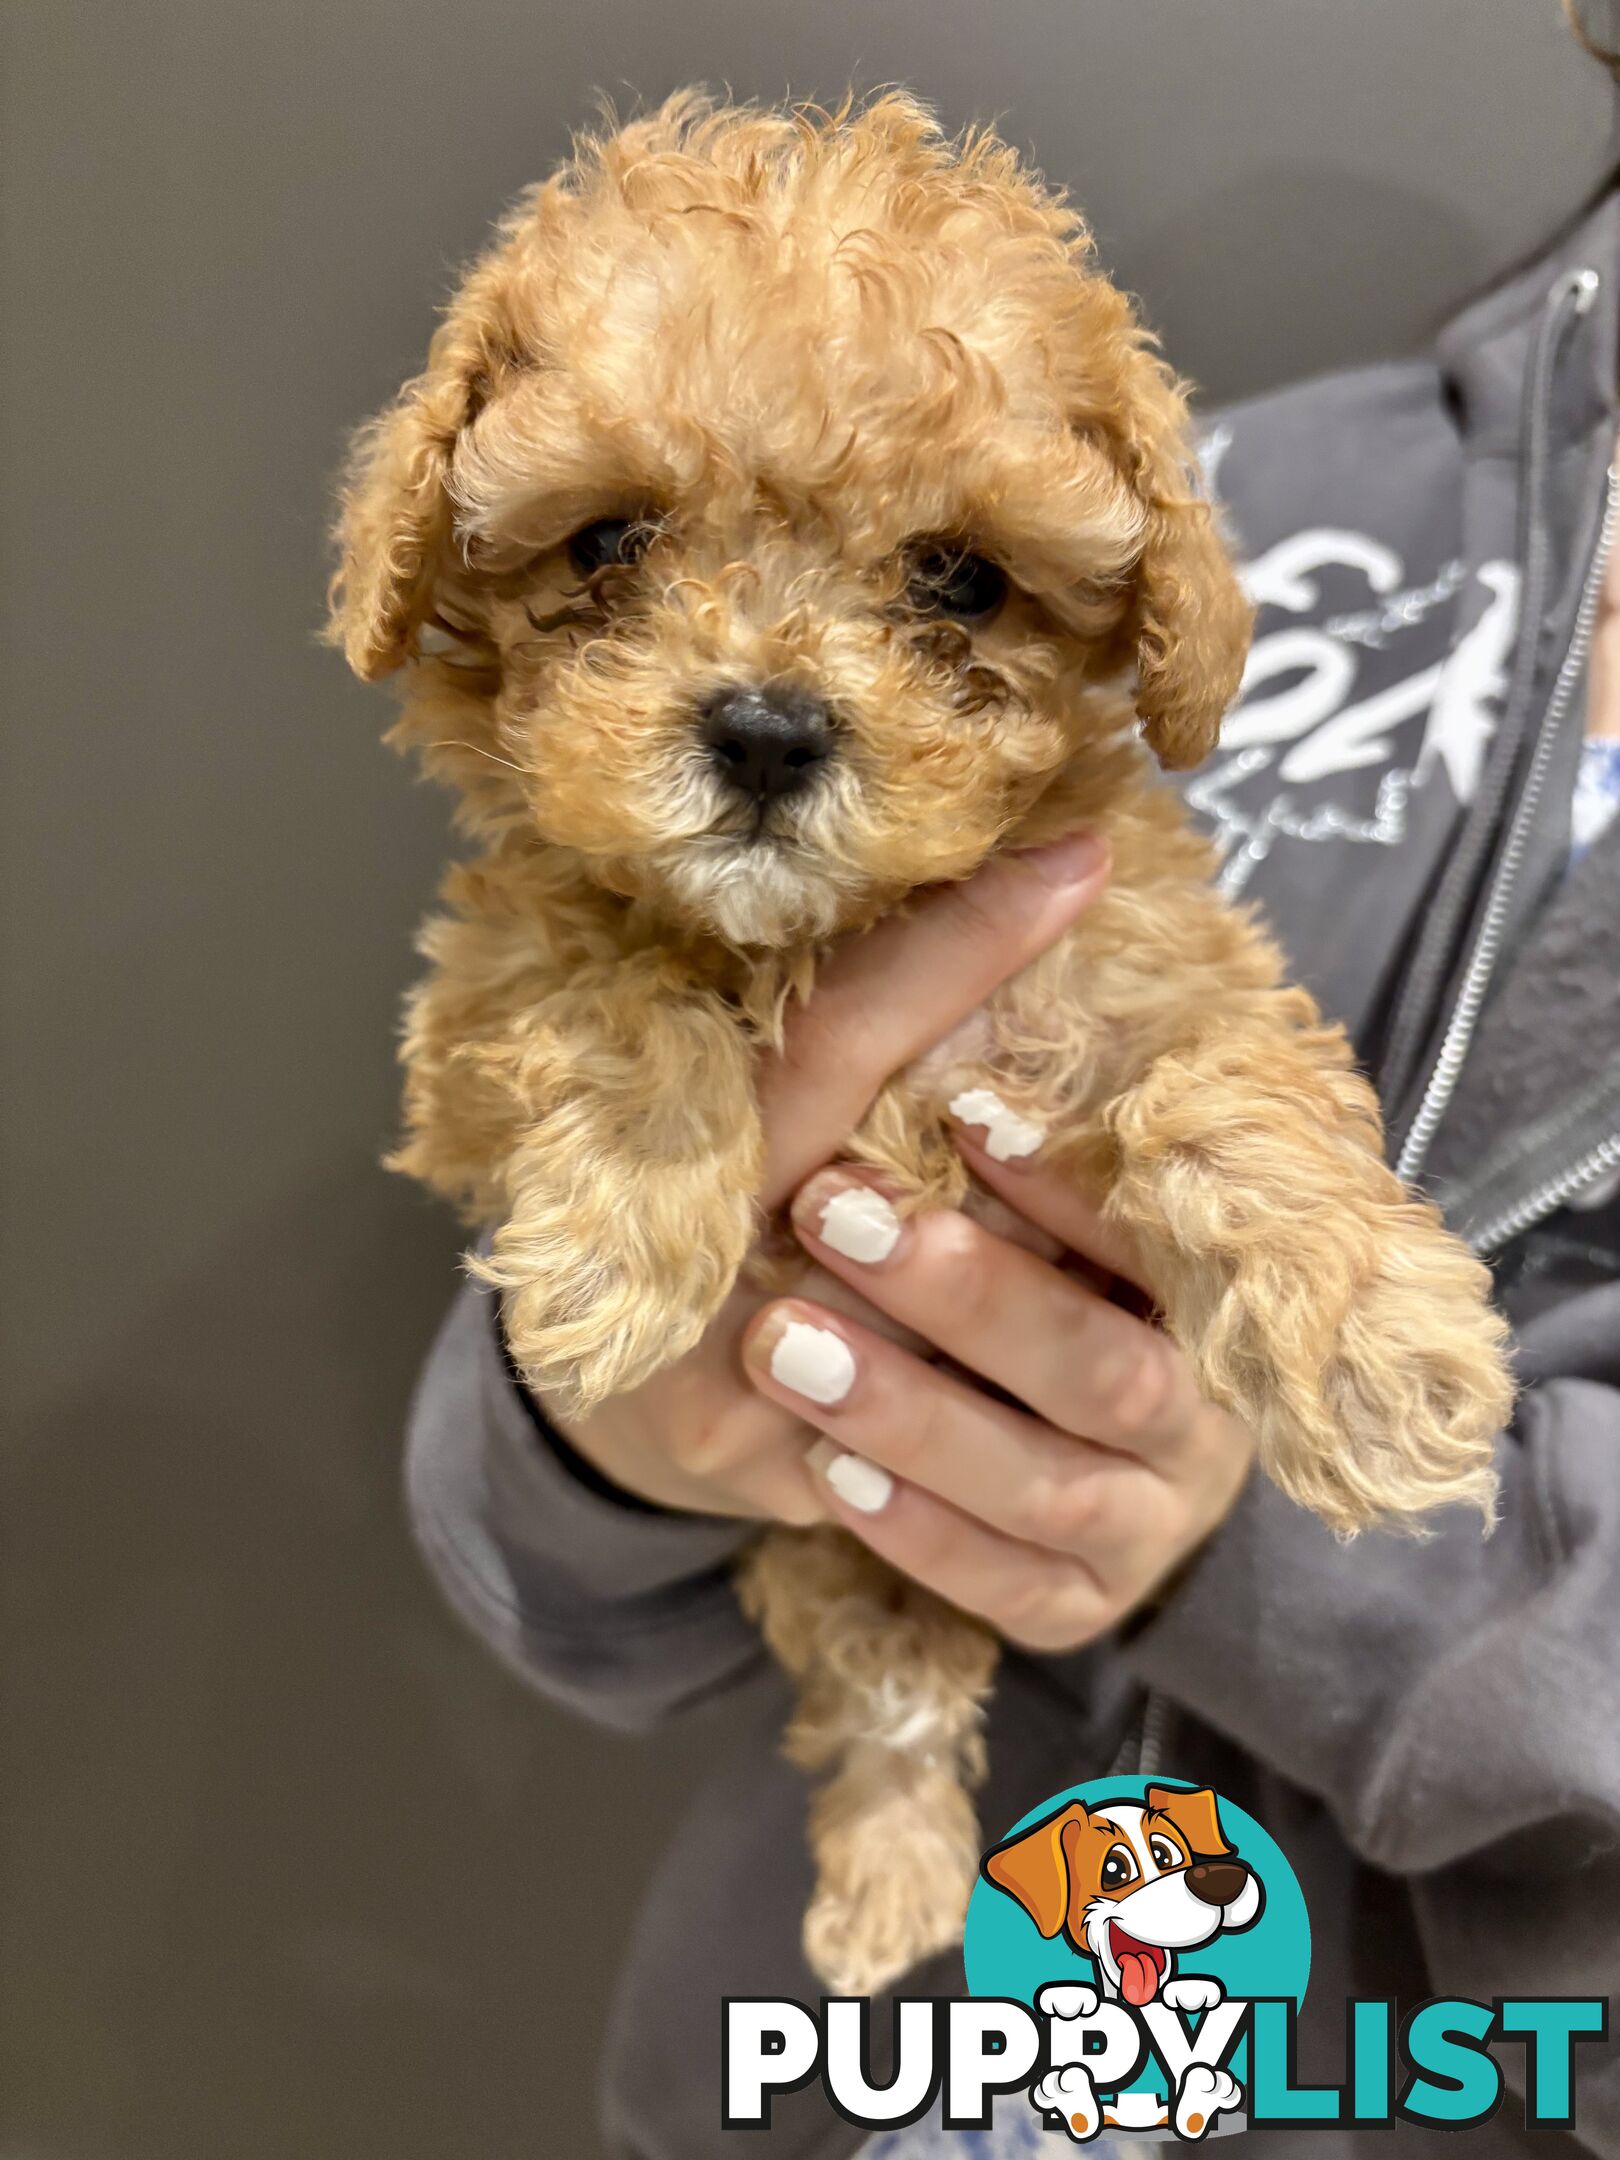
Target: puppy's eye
{"points": [[1118, 1868], [609, 543], [945, 581], [1164, 1853]]}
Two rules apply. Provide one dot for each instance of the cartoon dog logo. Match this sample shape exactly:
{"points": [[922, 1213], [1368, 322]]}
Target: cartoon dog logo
{"points": [[1132, 1884]]}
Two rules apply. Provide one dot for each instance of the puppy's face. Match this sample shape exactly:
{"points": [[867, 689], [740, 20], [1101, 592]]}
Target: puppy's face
{"points": [[1131, 1883], [781, 504]]}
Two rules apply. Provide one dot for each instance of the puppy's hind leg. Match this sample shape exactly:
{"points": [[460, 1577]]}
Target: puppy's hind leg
{"points": [[891, 1687]]}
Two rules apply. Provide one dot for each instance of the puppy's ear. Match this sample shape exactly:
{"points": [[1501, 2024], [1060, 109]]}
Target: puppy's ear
{"points": [[394, 524], [1033, 1868], [1192, 620], [1196, 1815]]}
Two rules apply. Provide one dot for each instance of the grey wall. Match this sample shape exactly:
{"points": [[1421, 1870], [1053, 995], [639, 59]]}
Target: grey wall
{"points": [[289, 1869]]}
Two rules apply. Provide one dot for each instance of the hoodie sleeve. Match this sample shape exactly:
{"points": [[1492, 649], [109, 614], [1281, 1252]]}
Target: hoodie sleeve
{"points": [[1450, 1700], [619, 1610]]}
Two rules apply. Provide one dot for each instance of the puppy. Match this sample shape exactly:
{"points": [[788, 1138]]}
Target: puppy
{"points": [[789, 516], [1131, 1884]]}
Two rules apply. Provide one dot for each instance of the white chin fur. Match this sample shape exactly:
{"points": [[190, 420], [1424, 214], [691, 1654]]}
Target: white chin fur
{"points": [[754, 894]]}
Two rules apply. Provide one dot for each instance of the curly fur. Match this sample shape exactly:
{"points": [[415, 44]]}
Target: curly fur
{"points": [[792, 345]]}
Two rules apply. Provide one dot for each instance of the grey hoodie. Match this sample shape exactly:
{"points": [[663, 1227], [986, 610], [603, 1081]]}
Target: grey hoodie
{"points": [[1430, 1730]]}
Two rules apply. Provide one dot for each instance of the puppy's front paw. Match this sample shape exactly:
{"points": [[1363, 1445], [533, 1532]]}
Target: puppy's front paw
{"points": [[1404, 1414], [602, 1287], [1067, 1999], [1191, 1994]]}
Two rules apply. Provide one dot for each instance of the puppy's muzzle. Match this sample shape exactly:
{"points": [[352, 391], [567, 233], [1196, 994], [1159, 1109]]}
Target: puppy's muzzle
{"points": [[1217, 1882], [767, 744]]}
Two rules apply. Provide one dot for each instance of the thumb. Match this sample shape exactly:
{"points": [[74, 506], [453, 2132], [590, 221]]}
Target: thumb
{"points": [[886, 996]]}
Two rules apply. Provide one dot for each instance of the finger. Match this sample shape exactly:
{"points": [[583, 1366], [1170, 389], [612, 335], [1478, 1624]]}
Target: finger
{"points": [[697, 1438], [1004, 1222], [885, 997], [1080, 1363], [1052, 1199], [845, 1297], [987, 1458], [711, 1449], [1033, 1597]]}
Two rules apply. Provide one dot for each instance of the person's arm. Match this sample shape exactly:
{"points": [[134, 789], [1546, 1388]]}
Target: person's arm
{"points": [[1452, 1702], [611, 1606], [1439, 1694]]}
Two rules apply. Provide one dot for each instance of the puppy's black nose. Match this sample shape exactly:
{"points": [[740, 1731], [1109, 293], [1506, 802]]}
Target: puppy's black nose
{"points": [[1217, 1882], [767, 743]]}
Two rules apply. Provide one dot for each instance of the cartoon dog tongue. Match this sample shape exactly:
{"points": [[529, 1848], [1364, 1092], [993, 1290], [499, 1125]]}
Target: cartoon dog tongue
{"points": [[1139, 1968]]}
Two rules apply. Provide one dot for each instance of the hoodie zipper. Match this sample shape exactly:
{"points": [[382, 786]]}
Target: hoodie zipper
{"points": [[1442, 1082], [1417, 1008], [1553, 1193]]}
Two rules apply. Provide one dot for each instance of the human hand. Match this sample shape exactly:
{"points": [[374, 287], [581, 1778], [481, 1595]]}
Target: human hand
{"points": [[1054, 1515], [697, 1435]]}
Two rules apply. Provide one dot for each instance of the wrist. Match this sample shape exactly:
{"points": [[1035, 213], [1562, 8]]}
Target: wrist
{"points": [[563, 1445]]}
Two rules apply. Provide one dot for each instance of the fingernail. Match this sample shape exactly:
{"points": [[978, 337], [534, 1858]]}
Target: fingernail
{"points": [[865, 1486], [812, 1361], [1074, 860], [1008, 1135], [851, 1218]]}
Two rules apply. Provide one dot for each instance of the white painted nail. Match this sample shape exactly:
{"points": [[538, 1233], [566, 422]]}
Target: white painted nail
{"points": [[813, 1362], [1007, 1135], [862, 1485], [860, 1224]]}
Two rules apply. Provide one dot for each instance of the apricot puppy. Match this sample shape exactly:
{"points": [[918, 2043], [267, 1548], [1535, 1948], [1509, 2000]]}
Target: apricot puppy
{"points": [[788, 516]]}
